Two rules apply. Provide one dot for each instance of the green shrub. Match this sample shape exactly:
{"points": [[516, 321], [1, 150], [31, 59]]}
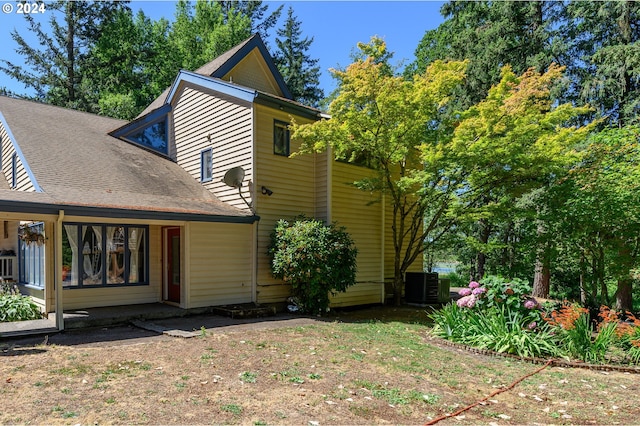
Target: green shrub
{"points": [[16, 307], [316, 259]]}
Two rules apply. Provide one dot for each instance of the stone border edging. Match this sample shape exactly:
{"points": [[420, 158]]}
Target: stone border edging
{"points": [[534, 360]]}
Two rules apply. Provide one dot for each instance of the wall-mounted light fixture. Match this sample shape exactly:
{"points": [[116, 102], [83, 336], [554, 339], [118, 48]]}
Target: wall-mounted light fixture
{"points": [[266, 191]]}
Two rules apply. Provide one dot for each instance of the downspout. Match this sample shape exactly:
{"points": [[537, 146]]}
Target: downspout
{"points": [[329, 184], [254, 258], [57, 274], [255, 227], [382, 240]]}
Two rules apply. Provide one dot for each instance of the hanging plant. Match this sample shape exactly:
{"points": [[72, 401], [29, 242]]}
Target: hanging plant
{"points": [[31, 235]]}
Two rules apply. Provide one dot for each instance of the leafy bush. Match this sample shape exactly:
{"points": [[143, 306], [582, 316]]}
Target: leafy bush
{"points": [[16, 307], [316, 259]]}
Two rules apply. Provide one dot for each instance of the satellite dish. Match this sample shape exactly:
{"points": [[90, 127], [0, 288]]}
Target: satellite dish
{"points": [[234, 177]]}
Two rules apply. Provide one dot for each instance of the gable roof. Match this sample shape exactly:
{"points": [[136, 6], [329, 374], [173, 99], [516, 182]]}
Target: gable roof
{"points": [[224, 63], [79, 167]]}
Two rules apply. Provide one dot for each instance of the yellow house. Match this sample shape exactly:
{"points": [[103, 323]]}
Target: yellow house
{"points": [[178, 205]]}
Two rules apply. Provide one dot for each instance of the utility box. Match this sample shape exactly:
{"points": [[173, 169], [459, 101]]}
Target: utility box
{"points": [[421, 288]]}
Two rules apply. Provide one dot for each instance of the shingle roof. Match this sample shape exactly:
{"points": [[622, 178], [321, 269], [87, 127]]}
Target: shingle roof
{"points": [[208, 69], [77, 163]]}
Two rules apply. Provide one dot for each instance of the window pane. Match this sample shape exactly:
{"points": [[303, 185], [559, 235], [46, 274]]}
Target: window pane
{"points": [[70, 255], [115, 255], [31, 247], [206, 166], [91, 255], [280, 138], [137, 255], [153, 136]]}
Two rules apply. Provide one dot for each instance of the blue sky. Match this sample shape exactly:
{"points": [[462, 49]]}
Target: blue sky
{"points": [[336, 26]]}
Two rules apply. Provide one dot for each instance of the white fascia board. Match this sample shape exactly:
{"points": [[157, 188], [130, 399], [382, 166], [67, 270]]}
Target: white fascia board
{"points": [[230, 89], [20, 155]]}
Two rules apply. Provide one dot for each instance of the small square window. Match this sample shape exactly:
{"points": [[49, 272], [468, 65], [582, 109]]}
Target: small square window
{"points": [[206, 165], [280, 138]]}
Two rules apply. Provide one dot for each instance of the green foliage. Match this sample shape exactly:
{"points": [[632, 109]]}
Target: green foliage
{"points": [[16, 307], [497, 315], [316, 259], [500, 316], [580, 343], [391, 125], [300, 72], [490, 35], [58, 68], [596, 212]]}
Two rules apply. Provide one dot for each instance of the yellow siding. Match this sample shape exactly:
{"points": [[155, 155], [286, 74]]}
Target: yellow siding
{"points": [[211, 120], [293, 182], [11, 241], [23, 181], [361, 214], [219, 264], [105, 296], [252, 71]]}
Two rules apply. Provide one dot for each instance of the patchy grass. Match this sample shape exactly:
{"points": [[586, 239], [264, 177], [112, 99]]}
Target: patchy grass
{"points": [[359, 372]]}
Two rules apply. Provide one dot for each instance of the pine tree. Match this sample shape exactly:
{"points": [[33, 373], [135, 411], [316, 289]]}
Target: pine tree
{"points": [[255, 11], [57, 70], [300, 72], [605, 45]]}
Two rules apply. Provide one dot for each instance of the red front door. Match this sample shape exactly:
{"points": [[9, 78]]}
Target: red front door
{"points": [[173, 264]]}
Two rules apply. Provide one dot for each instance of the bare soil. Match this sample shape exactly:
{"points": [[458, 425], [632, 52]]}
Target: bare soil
{"points": [[373, 366]]}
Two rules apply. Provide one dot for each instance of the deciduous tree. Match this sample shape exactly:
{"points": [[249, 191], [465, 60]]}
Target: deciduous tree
{"points": [[388, 123], [512, 143]]}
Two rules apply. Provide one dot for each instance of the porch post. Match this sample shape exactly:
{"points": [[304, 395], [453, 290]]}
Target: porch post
{"points": [[58, 271]]}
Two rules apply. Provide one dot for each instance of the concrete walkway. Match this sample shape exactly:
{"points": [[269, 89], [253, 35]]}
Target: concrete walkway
{"points": [[96, 317]]}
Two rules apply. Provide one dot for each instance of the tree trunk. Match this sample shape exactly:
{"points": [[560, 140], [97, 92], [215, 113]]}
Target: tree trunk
{"points": [[398, 283], [542, 278], [583, 274], [542, 273], [624, 300], [481, 258]]}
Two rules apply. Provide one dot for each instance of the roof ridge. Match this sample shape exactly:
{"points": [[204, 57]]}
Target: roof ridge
{"points": [[45, 104]]}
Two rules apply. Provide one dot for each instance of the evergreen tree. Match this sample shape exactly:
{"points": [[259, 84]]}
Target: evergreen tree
{"points": [[300, 72], [255, 10], [605, 46], [57, 71], [491, 35]]}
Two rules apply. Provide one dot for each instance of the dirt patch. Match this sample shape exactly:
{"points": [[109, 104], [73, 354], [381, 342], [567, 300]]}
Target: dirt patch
{"points": [[355, 367]]}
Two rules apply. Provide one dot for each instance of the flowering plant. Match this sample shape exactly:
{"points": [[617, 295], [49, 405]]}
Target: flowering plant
{"points": [[470, 295]]}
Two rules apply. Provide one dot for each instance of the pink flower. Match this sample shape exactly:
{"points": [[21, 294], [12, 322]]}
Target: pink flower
{"points": [[467, 301], [474, 284], [530, 304], [478, 291], [532, 325], [464, 291]]}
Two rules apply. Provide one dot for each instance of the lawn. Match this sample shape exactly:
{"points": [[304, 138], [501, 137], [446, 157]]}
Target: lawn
{"points": [[370, 372]]}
